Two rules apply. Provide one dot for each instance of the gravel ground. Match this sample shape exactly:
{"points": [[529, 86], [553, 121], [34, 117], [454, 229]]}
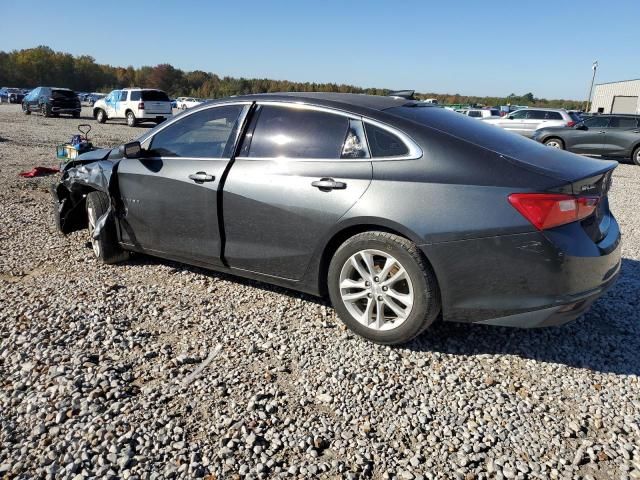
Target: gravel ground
{"points": [[152, 369]]}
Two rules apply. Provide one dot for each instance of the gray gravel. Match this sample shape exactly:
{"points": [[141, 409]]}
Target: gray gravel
{"points": [[151, 369]]}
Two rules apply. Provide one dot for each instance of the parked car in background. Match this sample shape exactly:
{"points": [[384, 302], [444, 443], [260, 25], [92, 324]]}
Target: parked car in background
{"points": [[11, 95], [527, 121], [399, 210], [135, 105], [92, 98], [481, 113], [188, 102], [52, 101], [606, 135]]}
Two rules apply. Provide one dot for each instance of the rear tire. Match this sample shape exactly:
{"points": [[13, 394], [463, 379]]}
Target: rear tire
{"points": [[635, 156], [554, 142], [382, 287], [105, 246], [131, 119], [101, 116]]}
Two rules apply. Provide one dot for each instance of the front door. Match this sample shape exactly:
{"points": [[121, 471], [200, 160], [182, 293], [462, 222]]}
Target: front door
{"points": [[170, 195], [621, 136], [299, 171], [591, 140]]}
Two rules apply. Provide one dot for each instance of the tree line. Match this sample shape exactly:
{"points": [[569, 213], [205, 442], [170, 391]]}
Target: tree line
{"points": [[32, 67]]}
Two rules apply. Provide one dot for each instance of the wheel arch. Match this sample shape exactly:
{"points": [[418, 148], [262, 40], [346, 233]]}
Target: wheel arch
{"points": [[346, 231]]}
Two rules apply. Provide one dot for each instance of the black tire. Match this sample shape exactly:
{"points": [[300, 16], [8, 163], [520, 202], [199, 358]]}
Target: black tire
{"points": [[426, 295], [25, 109], [635, 156], [554, 142], [131, 119], [101, 116], [105, 247], [76, 115], [45, 110]]}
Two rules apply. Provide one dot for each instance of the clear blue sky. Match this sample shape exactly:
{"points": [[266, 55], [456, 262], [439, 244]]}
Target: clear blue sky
{"points": [[472, 47]]}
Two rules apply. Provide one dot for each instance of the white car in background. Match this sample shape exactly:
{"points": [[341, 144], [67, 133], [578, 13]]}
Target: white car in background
{"points": [[135, 104], [480, 113], [187, 102], [528, 120]]}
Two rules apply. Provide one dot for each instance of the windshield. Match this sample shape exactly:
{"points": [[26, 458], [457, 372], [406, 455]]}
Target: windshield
{"points": [[154, 95]]}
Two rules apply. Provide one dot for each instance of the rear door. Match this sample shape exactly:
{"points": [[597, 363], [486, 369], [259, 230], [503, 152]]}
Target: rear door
{"points": [[532, 121], [621, 136], [300, 169], [156, 102], [171, 195], [121, 105]]}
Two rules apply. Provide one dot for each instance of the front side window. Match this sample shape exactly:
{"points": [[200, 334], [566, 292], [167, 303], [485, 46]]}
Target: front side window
{"points": [[283, 132], [383, 143], [519, 115], [597, 122], [208, 133]]}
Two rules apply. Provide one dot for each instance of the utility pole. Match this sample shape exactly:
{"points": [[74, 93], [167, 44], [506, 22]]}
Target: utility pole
{"points": [[594, 67]]}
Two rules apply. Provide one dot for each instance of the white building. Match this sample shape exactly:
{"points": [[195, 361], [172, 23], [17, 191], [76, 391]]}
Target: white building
{"points": [[616, 97]]}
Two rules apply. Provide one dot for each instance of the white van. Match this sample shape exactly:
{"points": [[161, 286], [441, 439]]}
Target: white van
{"points": [[134, 104]]}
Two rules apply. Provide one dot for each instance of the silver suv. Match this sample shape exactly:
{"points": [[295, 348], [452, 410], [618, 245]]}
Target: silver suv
{"points": [[528, 120]]}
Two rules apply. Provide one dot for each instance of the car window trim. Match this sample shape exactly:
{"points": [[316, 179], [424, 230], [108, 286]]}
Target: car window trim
{"points": [[414, 152], [241, 119]]}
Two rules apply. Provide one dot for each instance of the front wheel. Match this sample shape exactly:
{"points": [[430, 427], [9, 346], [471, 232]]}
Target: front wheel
{"points": [[25, 109], [554, 143], [635, 157], [44, 110], [105, 245], [382, 287], [131, 119]]}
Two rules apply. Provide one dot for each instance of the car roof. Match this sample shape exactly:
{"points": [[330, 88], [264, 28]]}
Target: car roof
{"points": [[345, 101], [544, 109]]}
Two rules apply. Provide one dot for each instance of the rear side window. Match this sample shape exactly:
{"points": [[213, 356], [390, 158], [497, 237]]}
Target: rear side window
{"points": [[475, 114], [123, 95], [135, 95], [495, 113], [205, 134], [297, 133], [623, 122], [553, 116], [383, 143], [154, 95], [536, 115]]}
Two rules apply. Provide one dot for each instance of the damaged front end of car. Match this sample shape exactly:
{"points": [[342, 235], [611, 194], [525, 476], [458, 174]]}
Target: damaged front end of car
{"points": [[92, 171]]}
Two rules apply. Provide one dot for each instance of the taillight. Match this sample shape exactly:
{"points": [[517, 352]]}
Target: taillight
{"points": [[571, 123], [548, 210], [141, 106]]}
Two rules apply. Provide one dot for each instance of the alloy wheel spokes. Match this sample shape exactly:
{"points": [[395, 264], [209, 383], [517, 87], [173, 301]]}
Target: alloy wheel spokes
{"points": [[376, 289]]}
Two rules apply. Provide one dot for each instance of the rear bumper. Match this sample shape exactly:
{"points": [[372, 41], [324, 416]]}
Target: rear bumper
{"points": [[525, 280], [153, 116], [55, 109]]}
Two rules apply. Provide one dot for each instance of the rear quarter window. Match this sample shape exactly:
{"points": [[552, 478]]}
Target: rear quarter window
{"points": [[383, 143], [135, 95]]}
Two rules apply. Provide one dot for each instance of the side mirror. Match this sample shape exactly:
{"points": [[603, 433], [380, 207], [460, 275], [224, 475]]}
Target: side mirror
{"points": [[510, 117], [131, 150]]}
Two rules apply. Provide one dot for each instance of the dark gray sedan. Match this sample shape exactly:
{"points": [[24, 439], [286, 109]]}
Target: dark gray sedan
{"points": [[399, 211], [606, 135]]}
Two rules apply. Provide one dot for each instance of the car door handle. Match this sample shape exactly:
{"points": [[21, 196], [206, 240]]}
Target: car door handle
{"points": [[200, 177], [327, 184]]}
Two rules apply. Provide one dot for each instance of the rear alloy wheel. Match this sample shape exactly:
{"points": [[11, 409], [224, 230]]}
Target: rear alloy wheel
{"points": [[554, 143], [105, 245], [382, 288], [635, 157], [131, 119], [101, 116]]}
